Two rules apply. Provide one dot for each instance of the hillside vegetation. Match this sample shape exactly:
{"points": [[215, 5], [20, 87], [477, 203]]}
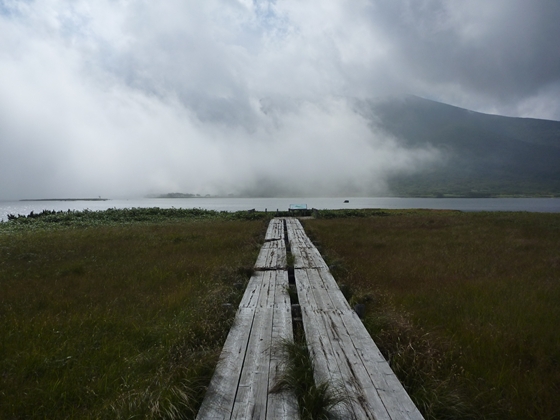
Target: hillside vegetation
{"points": [[482, 155]]}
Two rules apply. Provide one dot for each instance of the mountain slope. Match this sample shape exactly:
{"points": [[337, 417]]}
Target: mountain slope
{"points": [[484, 154]]}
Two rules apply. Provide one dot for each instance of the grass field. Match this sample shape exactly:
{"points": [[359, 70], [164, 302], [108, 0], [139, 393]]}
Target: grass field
{"points": [[466, 306], [120, 314], [104, 320]]}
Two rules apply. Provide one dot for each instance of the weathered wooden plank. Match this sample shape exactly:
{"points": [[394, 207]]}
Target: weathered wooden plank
{"points": [[391, 393], [275, 230], [343, 353], [272, 324], [326, 363], [296, 234], [341, 340], [306, 257], [281, 405], [252, 391], [363, 343], [365, 398], [272, 256], [305, 253], [220, 395], [251, 295], [249, 363], [275, 244]]}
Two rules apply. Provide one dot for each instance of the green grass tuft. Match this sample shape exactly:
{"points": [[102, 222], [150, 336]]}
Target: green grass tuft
{"points": [[315, 402]]}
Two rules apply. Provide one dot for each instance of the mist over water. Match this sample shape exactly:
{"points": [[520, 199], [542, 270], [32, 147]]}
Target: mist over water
{"points": [[323, 149]]}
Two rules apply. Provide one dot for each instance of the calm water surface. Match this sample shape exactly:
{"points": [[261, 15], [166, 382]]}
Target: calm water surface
{"points": [[551, 205]]}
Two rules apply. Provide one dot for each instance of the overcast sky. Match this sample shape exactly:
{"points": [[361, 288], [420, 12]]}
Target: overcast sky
{"points": [[127, 97]]}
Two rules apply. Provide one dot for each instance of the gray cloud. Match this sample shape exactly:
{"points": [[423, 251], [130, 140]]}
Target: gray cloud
{"points": [[490, 53], [118, 97]]}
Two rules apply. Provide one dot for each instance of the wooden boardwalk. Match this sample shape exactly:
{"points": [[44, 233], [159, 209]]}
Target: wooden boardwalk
{"points": [[342, 350], [250, 360]]}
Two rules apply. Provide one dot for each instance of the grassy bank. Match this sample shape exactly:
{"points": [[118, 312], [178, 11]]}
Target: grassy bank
{"points": [[466, 306], [116, 314]]}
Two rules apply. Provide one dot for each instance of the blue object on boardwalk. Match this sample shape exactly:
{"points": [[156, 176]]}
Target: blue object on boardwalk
{"points": [[297, 207]]}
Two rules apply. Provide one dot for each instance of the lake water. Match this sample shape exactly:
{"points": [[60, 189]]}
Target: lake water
{"points": [[551, 205]]}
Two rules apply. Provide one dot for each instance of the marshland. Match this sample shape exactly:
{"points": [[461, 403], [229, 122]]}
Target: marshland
{"points": [[123, 313]]}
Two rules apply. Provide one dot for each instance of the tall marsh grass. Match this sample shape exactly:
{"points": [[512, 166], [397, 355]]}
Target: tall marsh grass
{"points": [[465, 306], [117, 321]]}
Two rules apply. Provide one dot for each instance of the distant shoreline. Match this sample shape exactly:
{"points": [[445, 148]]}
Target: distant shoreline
{"points": [[65, 199]]}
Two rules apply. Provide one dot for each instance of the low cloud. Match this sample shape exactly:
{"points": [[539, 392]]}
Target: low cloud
{"points": [[119, 142], [119, 98]]}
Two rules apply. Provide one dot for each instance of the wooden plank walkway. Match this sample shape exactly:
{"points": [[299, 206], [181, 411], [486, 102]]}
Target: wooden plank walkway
{"points": [[250, 360], [342, 350]]}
